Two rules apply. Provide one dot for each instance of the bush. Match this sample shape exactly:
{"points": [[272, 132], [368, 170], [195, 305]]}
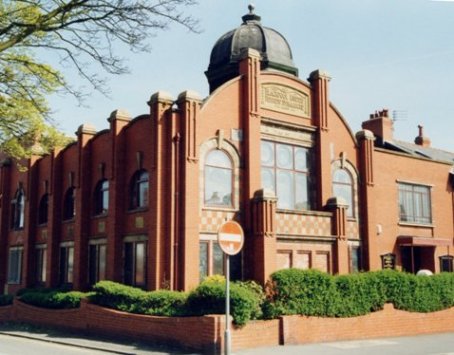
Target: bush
{"points": [[425, 293], [209, 298], [117, 296], [6, 300], [296, 291], [312, 293], [357, 294], [134, 300], [52, 298]]}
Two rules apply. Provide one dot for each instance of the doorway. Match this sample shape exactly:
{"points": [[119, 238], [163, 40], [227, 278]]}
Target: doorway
{"points": [[416, 258]]}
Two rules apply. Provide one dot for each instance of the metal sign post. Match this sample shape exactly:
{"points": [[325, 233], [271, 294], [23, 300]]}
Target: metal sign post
{"points": [[230, 239], [227, 337]]}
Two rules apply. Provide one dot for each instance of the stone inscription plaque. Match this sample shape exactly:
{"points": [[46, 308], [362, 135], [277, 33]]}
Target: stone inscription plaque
{"points": [[285, 99]]}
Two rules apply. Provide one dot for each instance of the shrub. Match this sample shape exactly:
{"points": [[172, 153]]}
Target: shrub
{"points": [[310, 292], [117, 296], [209, 298], [52, 298], [357, 294], [296, 291], [134, 300], [164, 303], [6, 300]]}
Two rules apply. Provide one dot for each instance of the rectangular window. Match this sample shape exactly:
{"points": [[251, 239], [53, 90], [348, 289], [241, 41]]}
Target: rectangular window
{"points": [[286, 170], [446, 263], [355, 259], [212, 261], [15, 265], [415, 203], [97, 263], [66, 264], [203, 260], [135, 263], [41, 264], [218, 260]]}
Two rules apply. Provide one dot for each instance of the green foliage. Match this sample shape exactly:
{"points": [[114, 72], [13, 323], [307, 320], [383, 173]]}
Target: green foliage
{"points": [[134, 300], [51, 298], [209, 298], [6, 300], [313, 293], [78, 34], [357, 294], [164, 303], [294, 291]]}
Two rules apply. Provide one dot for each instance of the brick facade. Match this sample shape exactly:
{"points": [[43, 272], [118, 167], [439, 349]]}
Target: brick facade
{"points": [[158, 228]]}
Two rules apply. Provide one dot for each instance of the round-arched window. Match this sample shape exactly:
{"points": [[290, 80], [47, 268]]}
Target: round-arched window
{"points": [[343, 187], [218, 179]]}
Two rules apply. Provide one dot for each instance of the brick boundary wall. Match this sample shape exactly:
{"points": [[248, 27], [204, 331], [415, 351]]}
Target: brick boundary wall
{"points": [[206, 333], [386, 323], [6, 313]]}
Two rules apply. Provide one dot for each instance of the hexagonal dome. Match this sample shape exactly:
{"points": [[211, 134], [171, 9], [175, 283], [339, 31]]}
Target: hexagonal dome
{"points": [[274, 50]]}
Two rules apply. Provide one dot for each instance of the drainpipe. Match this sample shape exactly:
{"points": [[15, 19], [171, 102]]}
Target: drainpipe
{"points": [[176, 212]]}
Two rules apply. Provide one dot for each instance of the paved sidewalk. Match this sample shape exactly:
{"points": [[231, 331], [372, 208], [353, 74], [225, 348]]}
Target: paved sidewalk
{"points": [[432, 344], [108, 345]]}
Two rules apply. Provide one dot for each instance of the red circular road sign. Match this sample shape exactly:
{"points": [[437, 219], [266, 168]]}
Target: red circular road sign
{"points": [[231, 237]]}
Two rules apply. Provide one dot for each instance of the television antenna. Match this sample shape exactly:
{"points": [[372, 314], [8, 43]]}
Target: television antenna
{"points": [[400, 115]]}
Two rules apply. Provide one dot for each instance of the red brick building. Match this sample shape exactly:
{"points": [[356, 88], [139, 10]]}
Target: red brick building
{"points": [[141, 202]]}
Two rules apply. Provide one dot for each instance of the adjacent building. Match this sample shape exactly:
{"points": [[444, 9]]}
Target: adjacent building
{"points": [[141, 202]]}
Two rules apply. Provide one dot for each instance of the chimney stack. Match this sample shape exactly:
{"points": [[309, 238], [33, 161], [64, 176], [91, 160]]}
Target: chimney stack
{"points": [[420, 139], [380, 125]]}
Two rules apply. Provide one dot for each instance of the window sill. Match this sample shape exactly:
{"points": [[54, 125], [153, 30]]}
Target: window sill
{"points": [[137, 210], [305, 212], [414, 224], [100, 216], [219, 208]]}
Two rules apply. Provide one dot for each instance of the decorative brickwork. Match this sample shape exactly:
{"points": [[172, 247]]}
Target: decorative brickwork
{"points": [[297, 224]]}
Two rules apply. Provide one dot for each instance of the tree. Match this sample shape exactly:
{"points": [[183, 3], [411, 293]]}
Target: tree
{"points": [[82, 34]]}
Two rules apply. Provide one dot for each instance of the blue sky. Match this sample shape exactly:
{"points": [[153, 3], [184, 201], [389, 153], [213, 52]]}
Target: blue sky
{"points": [[395, 54]]}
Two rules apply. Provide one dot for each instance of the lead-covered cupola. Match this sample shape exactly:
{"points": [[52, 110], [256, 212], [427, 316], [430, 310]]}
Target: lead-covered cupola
{"points": [[275, 52]]}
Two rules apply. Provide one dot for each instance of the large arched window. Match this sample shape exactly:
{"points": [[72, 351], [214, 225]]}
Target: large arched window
{"points": [[139, 190], [18, 210], [218, 179], [69, 204], [101, 197], [43, 209], [343, 187]]}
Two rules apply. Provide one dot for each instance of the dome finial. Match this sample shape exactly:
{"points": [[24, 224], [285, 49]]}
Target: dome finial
{"points": [[251, 16]]}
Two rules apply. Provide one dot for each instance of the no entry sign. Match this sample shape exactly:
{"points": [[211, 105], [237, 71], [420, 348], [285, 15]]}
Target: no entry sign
{"points": [[231, 237]]}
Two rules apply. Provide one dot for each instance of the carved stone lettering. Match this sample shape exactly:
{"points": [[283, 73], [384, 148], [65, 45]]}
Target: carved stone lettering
{"points": [[285, 99]]}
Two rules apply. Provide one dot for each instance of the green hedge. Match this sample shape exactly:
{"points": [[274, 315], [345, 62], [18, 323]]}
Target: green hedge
{"points": [[290, 291], [51, 298], [313, 293], [209, 298], [6, 300], [135, 300]]}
